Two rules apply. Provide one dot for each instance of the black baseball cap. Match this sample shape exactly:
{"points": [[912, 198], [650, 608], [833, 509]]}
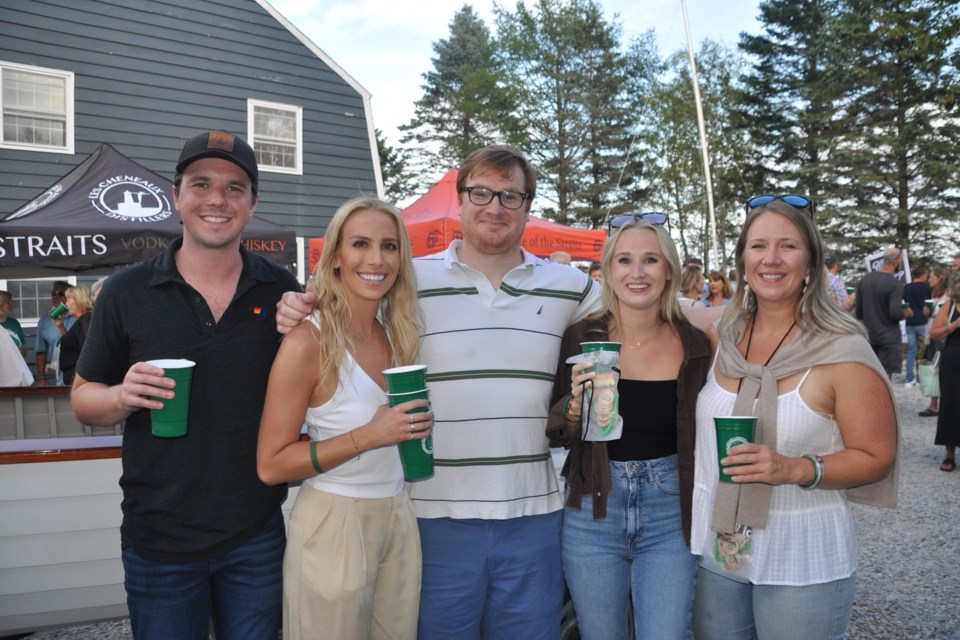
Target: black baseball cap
{"points": [[219, 144]]}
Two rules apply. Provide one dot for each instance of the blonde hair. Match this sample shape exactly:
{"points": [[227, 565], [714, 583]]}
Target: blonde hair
{"points": [[398, 312], [689, 277], [81, 295], [816, 310], [670, 312]]}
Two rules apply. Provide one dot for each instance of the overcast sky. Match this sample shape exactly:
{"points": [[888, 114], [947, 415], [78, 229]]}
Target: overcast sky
{"points": [[386, 45]]}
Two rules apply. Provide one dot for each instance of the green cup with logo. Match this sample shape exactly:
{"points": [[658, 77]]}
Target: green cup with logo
{"points": [[58, 311], [171, 421], [732, 431], [416, 455]]}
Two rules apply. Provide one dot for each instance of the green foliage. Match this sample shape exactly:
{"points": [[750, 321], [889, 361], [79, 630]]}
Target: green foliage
{"points": [[577, 104], [398, 182], [469, 100], [853, 102]]}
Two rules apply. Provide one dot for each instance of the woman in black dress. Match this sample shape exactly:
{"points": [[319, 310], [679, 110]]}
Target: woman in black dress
{"points": [[945, 327]]}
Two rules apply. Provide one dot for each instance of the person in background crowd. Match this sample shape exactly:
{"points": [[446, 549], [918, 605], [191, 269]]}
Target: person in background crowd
{"points": [[47, 345], [596, 272], [96, 286], [352, 564], [838, 288], [879, 305], [494, 316], [939, 277], [11, 324], [956, 262], [720, 290], [944, 328], [915, 294], [626, 526], [778, 544], [691, 286], [202, 537], [561, 257], [732, 277], [80, 306]]}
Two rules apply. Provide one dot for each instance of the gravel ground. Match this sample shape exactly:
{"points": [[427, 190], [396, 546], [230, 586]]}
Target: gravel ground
{"points": [[906, 588]]}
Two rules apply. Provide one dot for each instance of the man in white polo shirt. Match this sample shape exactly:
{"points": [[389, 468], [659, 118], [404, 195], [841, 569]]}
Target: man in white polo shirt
{"points": [[494, 315]]}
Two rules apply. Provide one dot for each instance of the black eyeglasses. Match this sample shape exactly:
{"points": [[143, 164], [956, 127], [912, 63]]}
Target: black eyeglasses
{"points": [[58, 293], [481, 196], [800, 202], [653, 217]]}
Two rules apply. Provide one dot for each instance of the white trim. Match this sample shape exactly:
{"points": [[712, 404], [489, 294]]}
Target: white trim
{"points": [[297, 111], [336, 68], [68, 80]]}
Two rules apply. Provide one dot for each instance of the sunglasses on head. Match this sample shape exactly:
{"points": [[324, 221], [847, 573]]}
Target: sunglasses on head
{"points": [[800, 202], [653, 217], [57, 292]]}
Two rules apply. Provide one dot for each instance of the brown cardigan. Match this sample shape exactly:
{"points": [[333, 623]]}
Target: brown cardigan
{"points": [[587, 467]]}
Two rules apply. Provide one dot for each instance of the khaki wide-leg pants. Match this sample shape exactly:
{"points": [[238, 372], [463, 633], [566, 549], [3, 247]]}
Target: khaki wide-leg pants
{"points": [[352, 568]]}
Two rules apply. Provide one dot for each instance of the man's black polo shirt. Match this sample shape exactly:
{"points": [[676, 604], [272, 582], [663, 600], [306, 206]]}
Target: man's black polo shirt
{"points": [[198, 496]]}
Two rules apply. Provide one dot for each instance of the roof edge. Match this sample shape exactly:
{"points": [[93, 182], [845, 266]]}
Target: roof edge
{"points": [[317, 51]]}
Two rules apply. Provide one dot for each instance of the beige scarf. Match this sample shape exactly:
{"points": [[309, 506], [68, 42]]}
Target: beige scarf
{"points": [[748, 504]]}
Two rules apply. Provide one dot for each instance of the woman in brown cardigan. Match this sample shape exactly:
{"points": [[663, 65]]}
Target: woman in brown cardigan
{"points": [[626, 527]]}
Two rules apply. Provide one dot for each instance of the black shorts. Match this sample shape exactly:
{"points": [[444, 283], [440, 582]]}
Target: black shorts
{"points": [[890, 355]]}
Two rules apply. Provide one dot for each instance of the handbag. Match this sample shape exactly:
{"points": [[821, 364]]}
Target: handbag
{"points": [[929, 374]]}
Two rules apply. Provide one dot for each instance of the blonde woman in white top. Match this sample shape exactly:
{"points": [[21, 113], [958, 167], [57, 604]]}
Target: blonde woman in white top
{"points": [[778, 544], [352, 565]]}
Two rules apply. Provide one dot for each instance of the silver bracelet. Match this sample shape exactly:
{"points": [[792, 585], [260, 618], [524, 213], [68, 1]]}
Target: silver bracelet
{"points": [[817, 472]]}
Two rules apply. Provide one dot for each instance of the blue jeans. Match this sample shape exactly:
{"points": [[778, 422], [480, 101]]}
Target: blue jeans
{"points": [[635, 556], [729, 610], [491, 579], [241, 591], [914, 335]]}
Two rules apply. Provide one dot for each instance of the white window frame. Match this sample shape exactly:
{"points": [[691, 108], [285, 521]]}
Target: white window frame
{"points": [[68, 81], [251, 137]]}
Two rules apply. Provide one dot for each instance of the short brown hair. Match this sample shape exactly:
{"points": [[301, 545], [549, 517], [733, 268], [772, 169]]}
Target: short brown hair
{"points": [[502, 158]]}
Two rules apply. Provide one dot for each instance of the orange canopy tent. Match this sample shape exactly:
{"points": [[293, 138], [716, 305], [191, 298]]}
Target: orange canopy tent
{"points": [[433, 222]]}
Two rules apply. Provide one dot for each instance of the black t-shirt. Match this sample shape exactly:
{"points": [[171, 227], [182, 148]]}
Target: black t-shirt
{"points": [[198, 496]]}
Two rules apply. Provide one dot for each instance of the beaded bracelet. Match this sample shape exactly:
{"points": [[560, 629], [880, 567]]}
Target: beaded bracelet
{"points": [[817, 472], [313, 457]]}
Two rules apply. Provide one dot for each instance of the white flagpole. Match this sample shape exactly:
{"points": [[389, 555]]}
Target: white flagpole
{"points": [[703, 136]]}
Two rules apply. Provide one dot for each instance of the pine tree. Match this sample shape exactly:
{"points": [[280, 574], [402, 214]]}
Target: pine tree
{"points": [[575, 104], [898, 156], [468, 99], [398, 183]]}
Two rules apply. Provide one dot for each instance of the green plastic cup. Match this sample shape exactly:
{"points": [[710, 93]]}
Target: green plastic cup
{"points": [[591, 347], [905, 305], [171, 421], [732, 431], [851, 291], [416, 456], [405, 379], [931, 306], [58, 310]]}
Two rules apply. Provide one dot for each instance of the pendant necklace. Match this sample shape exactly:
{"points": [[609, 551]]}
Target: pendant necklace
{"points": [[746, 354]]}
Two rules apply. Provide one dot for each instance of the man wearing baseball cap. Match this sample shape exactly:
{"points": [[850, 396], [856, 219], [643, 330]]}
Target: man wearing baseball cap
{"points": [[202, 537]]}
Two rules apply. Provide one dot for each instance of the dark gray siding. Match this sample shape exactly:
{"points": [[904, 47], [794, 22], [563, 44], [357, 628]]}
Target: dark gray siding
{"points": [[148, 74]]}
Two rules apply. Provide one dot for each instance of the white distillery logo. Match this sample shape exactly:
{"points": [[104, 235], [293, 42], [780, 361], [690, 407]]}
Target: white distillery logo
{"points": [[43, 200], [130, 199]]}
